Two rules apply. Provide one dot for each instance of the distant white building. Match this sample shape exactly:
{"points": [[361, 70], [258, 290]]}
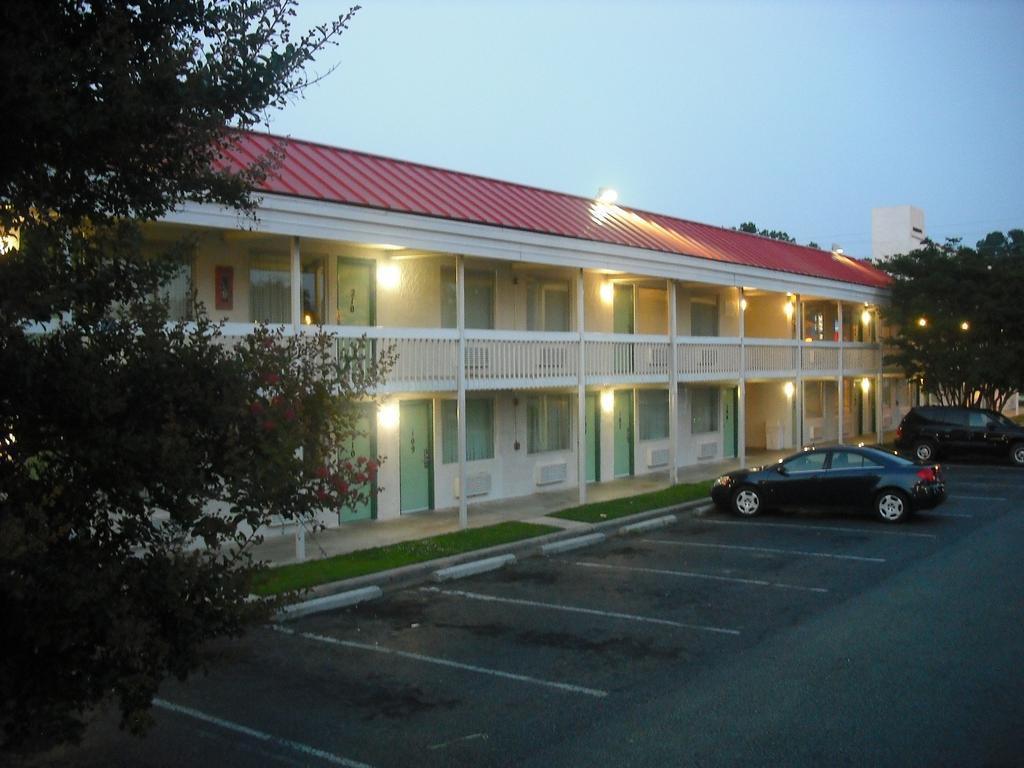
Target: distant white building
{"points": [[896, 229]]}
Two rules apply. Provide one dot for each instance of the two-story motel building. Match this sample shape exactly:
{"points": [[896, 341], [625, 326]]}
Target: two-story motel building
{"points": [[544, 338]]}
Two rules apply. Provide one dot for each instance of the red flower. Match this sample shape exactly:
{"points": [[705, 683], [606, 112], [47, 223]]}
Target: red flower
{"points": [[289, 415], [269, 425], [321, 472], [360, 478], [341, 485], [256, 408], [271, 378]]}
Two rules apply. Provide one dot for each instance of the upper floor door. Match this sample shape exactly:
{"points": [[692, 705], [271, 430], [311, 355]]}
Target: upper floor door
{"points": [[356, 293]]}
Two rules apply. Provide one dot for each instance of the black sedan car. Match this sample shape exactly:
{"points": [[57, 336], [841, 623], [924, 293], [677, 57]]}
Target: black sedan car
{"points": [[840, 476]]}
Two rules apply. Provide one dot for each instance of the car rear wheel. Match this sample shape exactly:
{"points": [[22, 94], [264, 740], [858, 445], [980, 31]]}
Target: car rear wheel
{"points": [[746, 501], [892, 506], [924, 450], [1017, 454]]}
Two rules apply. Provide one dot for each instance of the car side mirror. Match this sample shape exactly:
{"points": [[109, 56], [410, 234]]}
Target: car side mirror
{"points": [[781, 469]]}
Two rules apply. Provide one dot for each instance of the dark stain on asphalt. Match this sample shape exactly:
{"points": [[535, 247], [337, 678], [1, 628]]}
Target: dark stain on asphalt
{"points": [[614, 647], [389, 701]]}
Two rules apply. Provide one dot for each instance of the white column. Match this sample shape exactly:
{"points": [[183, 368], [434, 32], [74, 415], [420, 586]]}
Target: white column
{"points": [[798, 335], [460, 304], [741, 411], [839, 407], [296, 318], [673, 389], [296, 284], [581, 394], [878, 408]]}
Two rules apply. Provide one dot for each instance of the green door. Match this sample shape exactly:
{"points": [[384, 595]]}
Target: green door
{"points": [[729, 423], [362, 445], [355, 293], [416, 461], [593, 427], [623, 432]]}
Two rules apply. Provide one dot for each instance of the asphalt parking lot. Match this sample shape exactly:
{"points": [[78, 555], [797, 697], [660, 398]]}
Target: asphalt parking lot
{"points": [[792, 638]]}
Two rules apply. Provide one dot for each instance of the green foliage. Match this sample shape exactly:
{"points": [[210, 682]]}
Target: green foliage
{"points": [[774, 234], [138, 457], [970, 348], [299, 576], [600, 511], [123, 108]]}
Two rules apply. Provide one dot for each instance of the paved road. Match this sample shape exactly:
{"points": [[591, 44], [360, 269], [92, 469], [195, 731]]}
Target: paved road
{"points": [[792, 639]]}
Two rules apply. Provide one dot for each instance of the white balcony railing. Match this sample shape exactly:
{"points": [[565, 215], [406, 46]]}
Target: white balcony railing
{"points": [[427, 357]]}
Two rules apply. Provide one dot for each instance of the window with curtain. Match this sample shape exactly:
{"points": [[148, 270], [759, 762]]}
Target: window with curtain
{"points": [[547, 423], [270, 298], [479, 299], [703, 318], [479, 430], [177, 292], [703, 410], [313, 290], [653, 407], [547, 306]]}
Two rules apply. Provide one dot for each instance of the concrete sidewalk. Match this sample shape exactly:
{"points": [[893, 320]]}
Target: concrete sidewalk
{"points": [[351, 537]]}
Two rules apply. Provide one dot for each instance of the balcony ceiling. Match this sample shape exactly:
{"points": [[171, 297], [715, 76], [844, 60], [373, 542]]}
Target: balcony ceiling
{"points": [[320, 172]]}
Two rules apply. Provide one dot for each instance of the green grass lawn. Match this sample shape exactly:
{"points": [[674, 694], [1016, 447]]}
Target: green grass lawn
{"points": [[609, 510], [287, 578]]}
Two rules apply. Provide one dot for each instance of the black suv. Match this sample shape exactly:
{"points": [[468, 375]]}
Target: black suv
{"points": [[932, 429]]}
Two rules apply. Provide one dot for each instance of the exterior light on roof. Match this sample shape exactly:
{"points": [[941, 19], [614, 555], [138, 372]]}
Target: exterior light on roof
{"points": [[787, 310], [743, 304], [307, 319], [965, 326], [865, 316], [789, 389], [607, 291], [607, 401], [607, 195], [837, 249], [923, 322], [865, 385]]}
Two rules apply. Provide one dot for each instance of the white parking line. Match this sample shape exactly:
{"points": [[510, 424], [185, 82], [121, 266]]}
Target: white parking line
{"points": [[693, 575], [986, 483], [578, 609], [980, 498], [305, 749], [948, 514], [597, 693], [806, 527], [768, 550]]}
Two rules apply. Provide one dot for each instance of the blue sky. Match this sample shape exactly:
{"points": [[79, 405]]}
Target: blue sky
{"points": [[799, 116]]}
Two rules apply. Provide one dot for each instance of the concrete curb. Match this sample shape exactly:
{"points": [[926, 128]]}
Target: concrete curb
{"points": [[417, 573], [328, 603], [648, 525], [567, 545], [463, 570]]}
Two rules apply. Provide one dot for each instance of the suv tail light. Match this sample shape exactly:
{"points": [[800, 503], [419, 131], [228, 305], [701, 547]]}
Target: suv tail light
{"points": [[899, 431]]}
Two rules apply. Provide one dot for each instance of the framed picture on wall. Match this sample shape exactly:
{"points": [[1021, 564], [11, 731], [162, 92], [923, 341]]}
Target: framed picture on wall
{"points": [[224, 281]]}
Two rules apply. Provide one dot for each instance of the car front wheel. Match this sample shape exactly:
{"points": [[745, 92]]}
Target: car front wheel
{"points": [[924, 451], [746, 501], [1017, 454], [892, 506]]}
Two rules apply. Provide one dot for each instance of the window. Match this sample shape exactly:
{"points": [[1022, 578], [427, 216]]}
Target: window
{"points": [[177, 292], [810, 461], [851, 460], [547, 423], [703, 410], [814, 397], [547, 306], [313, 290], [704, 317], [479, 430], [270, 297], [653, 405], [479, 299]]}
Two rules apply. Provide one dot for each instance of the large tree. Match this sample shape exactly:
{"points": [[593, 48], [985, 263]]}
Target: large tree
{"points": [[774, 234], [138, 456], [960, 318]]}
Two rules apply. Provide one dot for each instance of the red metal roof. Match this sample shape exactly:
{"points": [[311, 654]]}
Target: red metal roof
{"points": [[320, 172]]}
